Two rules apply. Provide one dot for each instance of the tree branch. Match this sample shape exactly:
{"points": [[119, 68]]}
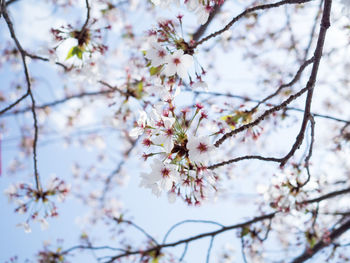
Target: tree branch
{"points": [[244, 13], [29, 91], [327, 196], [325, 24], [262, 117], [193, 238], [310, 252], [283, 86], [200, 31]]}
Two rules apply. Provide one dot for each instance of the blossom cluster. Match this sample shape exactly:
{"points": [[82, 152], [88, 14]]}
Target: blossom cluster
{"points": [[168, 53], [88, 40], [287, 191], [37, 203], [181, 166], [171, 58]]}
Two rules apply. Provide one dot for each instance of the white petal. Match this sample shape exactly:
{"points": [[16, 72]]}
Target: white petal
{"points": [[168, 122], [44, 224], [182, 71], [187, 60], [171, 197], [169, 69], [178, 53], [135, 132]]}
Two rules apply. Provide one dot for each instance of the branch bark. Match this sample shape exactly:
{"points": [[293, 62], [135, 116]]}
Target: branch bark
{"points": [[310, 252]]}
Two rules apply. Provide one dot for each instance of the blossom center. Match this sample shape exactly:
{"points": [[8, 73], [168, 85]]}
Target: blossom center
{"points": [[161, 53], [176, 61], [169, 132], [165, 172], [202, 147]]}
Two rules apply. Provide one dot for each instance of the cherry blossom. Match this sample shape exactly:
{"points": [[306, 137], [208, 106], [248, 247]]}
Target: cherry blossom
{"points": [[203, 13], [141, 123], [161, 178], [165, 140], [29, 199], [199, 149], [178, 63], [157, 54]]}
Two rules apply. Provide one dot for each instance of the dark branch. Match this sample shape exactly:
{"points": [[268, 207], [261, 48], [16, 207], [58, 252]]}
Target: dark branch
{"points": [[189, 221], [46, 59], [327, 196], [29, 91], [244, 98], [190, 239], [325, 24], [262, 117], [310, 252], [14, 104], [201, 30]]}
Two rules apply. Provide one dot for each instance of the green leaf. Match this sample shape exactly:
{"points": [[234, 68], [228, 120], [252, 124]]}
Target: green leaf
{"points": [[245, 231], [155, 70], [231, 120], [139, 90], [75, 51], [71, 53], [311, 239], [79, 53]]}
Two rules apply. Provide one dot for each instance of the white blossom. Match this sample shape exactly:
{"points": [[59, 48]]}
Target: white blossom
{"points": [[166, 141], [26, 227], [199, 149], [141, 124], [156, 54], [178, 63], [203, 13], [161, 178]]}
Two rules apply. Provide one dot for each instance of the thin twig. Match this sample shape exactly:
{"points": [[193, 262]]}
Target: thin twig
{"points": [[189, 221], [32, 56], [244, 13], [209, 249], [308, 157], [327, 196], [9, 2], [14, 103], [84, 27], [310, 252], [117, 170], [313, 30], [67, 251], [184, 253], [242, 250], [29, 91], [119, 221], [283, 86], [244, 98], [193, 238], [261, 117], [325, 24]]}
